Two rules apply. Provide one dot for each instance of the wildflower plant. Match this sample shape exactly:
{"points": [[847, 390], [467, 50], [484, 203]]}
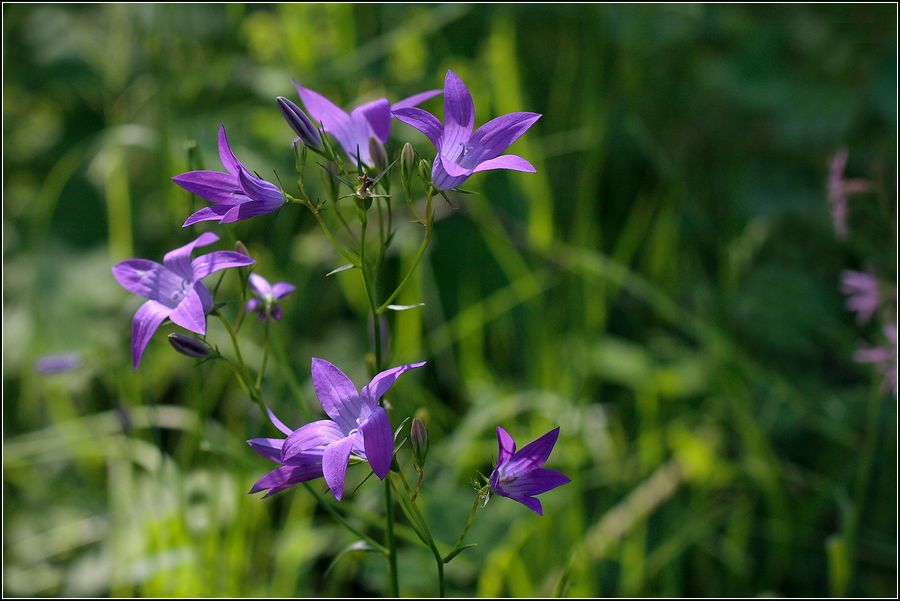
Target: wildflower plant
{"points": [[359, 429]]}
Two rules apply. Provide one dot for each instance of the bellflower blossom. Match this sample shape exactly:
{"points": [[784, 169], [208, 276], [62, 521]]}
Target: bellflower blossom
{"points": [[236, 195], [460, 151], [521, 475], [358, 426], [174, 289], [353, 131], [266, 306], [838, 189], [884, 358], [862, 293]]}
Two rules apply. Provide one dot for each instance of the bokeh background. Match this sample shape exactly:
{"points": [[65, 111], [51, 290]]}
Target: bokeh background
{"points": [[665, 288]]}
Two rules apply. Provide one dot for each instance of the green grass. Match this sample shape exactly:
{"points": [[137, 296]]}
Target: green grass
{"points": [[664, 288]]}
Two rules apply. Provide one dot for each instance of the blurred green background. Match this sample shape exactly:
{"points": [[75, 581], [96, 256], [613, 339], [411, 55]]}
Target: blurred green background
{"points": [[664, 288]]}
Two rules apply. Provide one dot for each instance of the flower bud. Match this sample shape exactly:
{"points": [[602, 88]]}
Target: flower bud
{"points": [[241, 248], [418, 440], [378, 154], [407, 163], [189, 346], [301, 124], [425, 171], [300, 151]]}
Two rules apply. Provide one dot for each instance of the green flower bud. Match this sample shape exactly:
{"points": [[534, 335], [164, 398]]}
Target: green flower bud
{"points": [[418, 440], [425, 171], [407, 164]]}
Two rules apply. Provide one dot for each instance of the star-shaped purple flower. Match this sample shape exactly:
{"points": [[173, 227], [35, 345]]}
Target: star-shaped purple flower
{"points": [[353, 131], [236, 195], [358, 426], [521, 475], [460, 151], [174, 289], [266, 306]]}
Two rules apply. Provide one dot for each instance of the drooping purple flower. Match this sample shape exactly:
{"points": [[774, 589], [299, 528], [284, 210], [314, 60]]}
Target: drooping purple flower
{"points": [[358, 426], [884, 358], [838, 189], [353, 131], [266, 306], [862, 293], [174, 289], [460, 151], [236, 194], [520, 475]]}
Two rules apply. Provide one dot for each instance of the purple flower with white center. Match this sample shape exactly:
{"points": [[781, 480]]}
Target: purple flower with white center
{"points": [[521, 475], [862, 293], [174, 289], [266, 306], [838, 189], [353, 131], [236, 195], [884, 358], [358, 426], [460, 151]]}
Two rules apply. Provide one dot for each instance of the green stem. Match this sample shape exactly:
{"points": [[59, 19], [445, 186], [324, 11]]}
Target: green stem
{"points": [[317, 214], [342, 520], [865, 471], [459, 541], [240, 370], [265, 359], [429, 226], [428, 538]]}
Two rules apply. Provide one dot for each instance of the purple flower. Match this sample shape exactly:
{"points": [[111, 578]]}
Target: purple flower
{"points": [[838, 189], [521, 475], [353, 131], [460, 151], [358, 426], [884, 358], [174, 289], [862, 293], [236, 195], [266, 306], [58, 363]]}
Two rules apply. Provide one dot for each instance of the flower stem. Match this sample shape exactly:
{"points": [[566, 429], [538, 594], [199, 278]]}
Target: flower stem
{"points": [[429, 226], [427, 538], [265, 359], [342, 521]]}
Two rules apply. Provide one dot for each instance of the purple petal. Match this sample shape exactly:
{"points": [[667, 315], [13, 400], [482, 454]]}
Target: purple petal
{"points": [[495, 136], [270, 448], [531, 503], [145, 323], [328, 114], [453, 168], [415, 99], [443, 180], [424, 121], [382, 382], [337, 394], [459, 116], [534, 454], [189, 313], [334, 464], [205, 295], [210, 263], [309, 440], [251, 305], [179, 260], [277, 422], [507, 446], [378, 115], [229, 161], [282, 289], [213, 213], [248, 210], [506, 161], [214, 186], [535, 482], [287, 476], [139, 276], [378, 440], [276, 313], [259, 285], [259, 189]]}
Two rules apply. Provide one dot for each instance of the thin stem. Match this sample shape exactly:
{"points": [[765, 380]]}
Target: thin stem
{"points": [[429, 226], [380, 236], [429, 539], [343, 220], [342, 520], [393, 581], [265, 359], [327, 231], [865, 470], [459, 541]]}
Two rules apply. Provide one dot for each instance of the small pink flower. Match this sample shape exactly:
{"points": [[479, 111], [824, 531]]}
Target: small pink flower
{"points": [[884, 358], [862, 293]]}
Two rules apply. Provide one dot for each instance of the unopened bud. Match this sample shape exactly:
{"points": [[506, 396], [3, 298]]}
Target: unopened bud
{"points": [[407, 164], [418, 440], [300, 152], [378, 154], [301, 124], [190, 346], [239, 247], [425, 171]]}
